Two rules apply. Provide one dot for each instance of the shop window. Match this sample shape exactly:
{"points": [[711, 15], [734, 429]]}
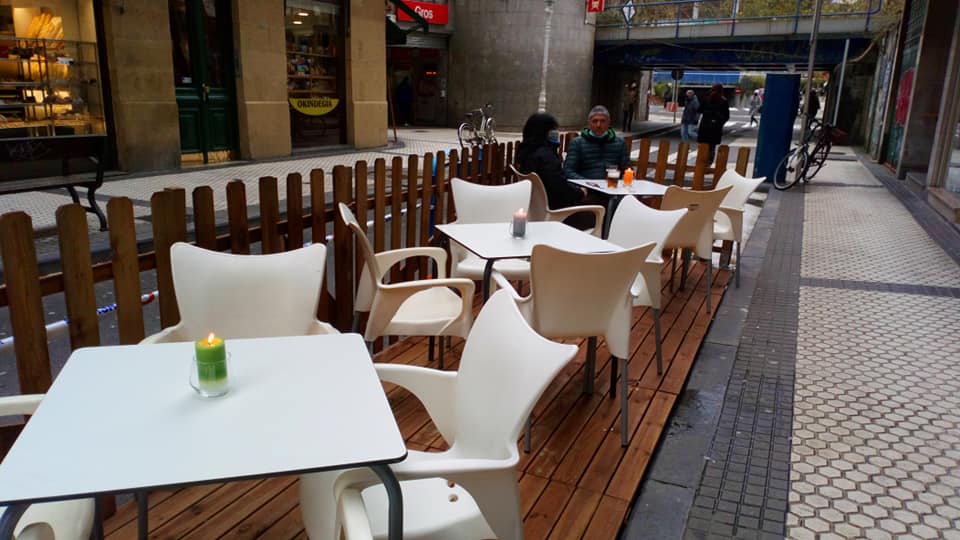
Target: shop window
{"points": [[49, 75], [315, 73], [952, 181]]}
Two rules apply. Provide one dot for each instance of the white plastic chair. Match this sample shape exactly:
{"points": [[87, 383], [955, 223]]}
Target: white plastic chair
{"points": [[635, 224], [425, 307], [540, 205], [728, 221], [588, 296], [245, 296], [694, 233], [63, 520], [477, 203], [479, 411]]}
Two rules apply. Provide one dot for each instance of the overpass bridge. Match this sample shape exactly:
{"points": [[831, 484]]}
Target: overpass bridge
{"points": [[714, 34]]}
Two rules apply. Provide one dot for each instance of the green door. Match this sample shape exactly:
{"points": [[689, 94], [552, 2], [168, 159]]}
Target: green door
{"points": [[203, 74]]}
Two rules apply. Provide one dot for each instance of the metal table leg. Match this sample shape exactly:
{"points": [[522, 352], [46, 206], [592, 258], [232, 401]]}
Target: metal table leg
{"points": [[142, 515], [9, 519], [395, 498], [487, 272]]}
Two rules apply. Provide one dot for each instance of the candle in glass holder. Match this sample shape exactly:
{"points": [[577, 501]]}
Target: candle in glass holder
{"points": [[211, 355], [519, 228]]}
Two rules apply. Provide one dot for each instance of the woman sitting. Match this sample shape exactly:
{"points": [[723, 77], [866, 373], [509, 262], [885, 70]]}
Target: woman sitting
{"points": [[537, 153]]}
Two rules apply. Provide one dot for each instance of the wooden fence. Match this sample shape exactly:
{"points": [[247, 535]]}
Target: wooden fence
{"points": [[400, 210]]}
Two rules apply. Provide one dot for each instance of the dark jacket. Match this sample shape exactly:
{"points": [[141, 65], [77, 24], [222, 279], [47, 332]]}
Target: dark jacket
{"points": [[588, 155], [690, 113], [714, 114], [544, 161]]}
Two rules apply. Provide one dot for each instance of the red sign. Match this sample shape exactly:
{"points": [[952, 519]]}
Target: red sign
{"points": [[594, 6], [432, 13]]}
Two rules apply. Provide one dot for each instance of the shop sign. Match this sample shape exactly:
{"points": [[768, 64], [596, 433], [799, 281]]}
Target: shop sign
{"points": [[432, 13], [595, 6], [318, 106]]}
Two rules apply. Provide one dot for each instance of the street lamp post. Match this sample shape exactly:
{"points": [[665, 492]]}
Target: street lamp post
{"points": [[542, 100]]}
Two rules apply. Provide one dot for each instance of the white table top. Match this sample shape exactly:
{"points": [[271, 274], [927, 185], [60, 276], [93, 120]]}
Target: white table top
{"points": [[121, 419], [493, 240], [639, 187]]}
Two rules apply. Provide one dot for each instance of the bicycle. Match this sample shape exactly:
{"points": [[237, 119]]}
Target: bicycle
{"points": [[803, 163], [478, 128]]}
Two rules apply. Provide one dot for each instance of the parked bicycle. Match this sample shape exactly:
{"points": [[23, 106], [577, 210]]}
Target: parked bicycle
{"points": [[802, 162], [478, 128]]}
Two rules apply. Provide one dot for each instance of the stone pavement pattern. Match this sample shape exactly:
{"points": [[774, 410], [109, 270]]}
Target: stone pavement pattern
{"points": [[876, 426]]}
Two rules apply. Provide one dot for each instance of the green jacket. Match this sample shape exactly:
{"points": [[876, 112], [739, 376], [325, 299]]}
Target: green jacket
{"points": [[588, 155]]}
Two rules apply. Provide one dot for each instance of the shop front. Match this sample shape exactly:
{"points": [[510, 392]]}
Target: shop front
{"points": [[417, 68]]}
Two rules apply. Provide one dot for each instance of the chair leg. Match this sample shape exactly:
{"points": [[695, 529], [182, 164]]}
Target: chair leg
{"points": [[355, 327], [528, 435], [709, 279], [673, 266], [442, 348], [685, 264], [590, 368], [432, 344], [656, 331], [624, 405], [736, 268], [613, 377]]}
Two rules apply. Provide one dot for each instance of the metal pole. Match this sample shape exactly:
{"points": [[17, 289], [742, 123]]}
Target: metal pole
{"points": [[675, 101], [813, 53], [542, 100], [843, 71]]}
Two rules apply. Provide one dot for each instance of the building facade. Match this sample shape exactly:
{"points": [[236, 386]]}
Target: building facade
{"points": [[206, 80]]}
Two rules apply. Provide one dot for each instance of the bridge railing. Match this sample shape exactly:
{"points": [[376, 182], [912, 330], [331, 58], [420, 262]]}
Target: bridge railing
{"points": [[678, 14]]}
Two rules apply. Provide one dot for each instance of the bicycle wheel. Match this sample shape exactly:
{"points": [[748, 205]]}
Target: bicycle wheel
{"points": [[817, 158], [467, 134], [792, 168], [491, 131]]}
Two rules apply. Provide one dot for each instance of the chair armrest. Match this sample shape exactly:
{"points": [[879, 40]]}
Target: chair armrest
{"points": [[503, 283], [433, 387], [387, 259], [561, 214], [449, 468], [392, 295], [22, 404], [735, 215], [171, 334], [320, 327]]}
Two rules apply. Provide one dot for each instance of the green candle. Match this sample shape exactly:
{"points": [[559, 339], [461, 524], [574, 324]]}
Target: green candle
{"points": [[211, 365]]}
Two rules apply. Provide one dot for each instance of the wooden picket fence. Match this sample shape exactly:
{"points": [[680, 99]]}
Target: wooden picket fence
{"points": [[401, 208]]}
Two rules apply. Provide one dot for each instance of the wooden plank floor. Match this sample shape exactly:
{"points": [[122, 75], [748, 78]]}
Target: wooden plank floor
{"points": [[577, 482]]}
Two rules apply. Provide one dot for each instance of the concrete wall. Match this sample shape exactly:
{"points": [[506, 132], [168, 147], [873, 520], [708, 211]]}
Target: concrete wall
{"points": [[496, 55], [141, 80], [262, 110], [927, 88], [366, 74]]}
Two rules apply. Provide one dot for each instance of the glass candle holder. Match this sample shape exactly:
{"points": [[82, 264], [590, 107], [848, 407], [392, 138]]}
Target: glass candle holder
{"points": [[518, 228], [209, 371]]}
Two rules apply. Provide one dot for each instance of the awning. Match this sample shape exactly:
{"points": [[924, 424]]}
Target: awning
{"points": [[397, 35]]}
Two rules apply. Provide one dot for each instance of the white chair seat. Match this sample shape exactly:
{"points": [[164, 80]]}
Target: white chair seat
{"points": [[722, 228], [460, 518], [512, 269], [427, 312]]}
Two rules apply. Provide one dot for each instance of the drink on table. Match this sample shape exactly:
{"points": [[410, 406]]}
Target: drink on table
{"points": [[613, 176]]}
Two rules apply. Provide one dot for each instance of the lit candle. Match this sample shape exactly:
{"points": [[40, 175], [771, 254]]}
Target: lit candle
{"points": [[211, 365], [519, 223]]}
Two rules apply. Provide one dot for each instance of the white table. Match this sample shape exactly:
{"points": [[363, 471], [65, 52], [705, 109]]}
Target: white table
{"points": [[640, 188], [492, 241], [125, 419]]}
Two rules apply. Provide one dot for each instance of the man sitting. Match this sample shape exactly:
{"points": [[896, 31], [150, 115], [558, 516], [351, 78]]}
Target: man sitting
{"points": [[597, 147]]}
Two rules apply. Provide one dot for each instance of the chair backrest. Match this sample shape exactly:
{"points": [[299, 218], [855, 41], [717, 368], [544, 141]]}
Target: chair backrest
{"points": [[369, 276], [635, 224], [741, 188], [695, 229], [504, 368], [240, 296], [539, 204], [476, 203], [587, 296]]}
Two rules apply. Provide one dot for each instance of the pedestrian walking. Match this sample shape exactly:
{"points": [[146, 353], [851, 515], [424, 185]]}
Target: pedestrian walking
{"points": [[630, 95], [667, 98], [756, 104], [714, 113], [691, 116]]}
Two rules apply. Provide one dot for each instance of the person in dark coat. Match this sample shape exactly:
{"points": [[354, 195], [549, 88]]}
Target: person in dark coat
{"points": [[597, 147], [714, 112], [537, 153]]}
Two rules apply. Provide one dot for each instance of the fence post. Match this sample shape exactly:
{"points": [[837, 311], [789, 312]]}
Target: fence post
{"points": [[743, 159], [318, 235], [663, 152], [169, 226], [294, 211], [126, 268], [204, 220], [396, 218], [426, 212], [342, 251], [723, 152], [25, 302], [360, 196], [643, 159], [703, 161], [680, 167], [269, 215], [379, 204], [77, 276], [413, 167], [237, 217]]}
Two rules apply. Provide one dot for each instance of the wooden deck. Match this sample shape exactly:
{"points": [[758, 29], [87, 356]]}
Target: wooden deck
{"points": [[576, 483]]}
